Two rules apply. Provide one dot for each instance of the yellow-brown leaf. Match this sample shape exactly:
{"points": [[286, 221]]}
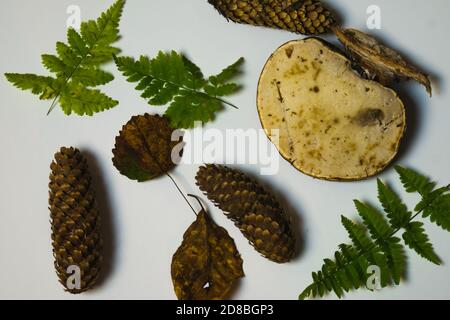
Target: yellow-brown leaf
{"points": [[207, 264]]}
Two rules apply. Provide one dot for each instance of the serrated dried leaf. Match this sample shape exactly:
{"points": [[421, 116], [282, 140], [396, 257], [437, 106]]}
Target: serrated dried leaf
{"points": [[143, 149], [378, 61], [207, 264]]}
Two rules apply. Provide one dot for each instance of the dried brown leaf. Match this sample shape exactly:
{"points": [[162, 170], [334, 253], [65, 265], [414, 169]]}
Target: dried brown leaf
{"points": [[207, 264], [143, 149]]}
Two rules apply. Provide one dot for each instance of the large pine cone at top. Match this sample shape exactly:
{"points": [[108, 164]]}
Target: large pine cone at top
{"points": [[308, 17], [75, 220], [254, 211]]}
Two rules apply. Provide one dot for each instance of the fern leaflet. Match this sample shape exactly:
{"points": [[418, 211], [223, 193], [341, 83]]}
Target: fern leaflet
{"points": [[416, 238], [396, 210]]}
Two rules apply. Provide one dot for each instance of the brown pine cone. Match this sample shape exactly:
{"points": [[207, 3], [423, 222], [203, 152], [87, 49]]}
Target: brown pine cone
{"points": [[308, 17], [254, 211], [75, 221]]}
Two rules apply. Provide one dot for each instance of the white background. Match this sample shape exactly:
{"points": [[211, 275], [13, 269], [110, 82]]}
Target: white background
{"points": [[145, 222]]}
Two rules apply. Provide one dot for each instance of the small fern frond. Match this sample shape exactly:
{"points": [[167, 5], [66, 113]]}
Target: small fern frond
{"points": [[77, 67], [171, 78]]}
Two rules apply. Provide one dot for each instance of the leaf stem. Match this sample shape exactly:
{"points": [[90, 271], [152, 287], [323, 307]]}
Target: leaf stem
{"points": [[53, 105], [226, 102], [198, 200], [181, 192]]}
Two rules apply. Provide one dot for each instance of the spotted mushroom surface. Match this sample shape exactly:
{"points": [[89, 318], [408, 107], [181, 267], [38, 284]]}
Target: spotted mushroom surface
{"points": [[323, 117]]}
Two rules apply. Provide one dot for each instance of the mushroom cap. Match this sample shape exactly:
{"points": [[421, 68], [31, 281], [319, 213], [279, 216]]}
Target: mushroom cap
{"points": [[323, 117]]}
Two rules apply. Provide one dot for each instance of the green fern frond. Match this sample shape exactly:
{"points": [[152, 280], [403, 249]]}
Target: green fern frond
{"points": [[76, 67], [170, 78], [349, 268], [348, 271]]}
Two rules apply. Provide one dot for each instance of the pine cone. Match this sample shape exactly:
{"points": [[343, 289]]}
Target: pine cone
{"points": [[75, 220], [308, 17], [254, 211]]}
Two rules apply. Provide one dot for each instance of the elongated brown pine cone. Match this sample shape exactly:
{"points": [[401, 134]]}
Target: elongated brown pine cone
{"points": [[308, 17], [254, 210], [75, 221]]}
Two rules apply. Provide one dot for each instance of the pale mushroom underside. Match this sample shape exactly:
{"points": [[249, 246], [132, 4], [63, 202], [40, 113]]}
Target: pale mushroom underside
{"points": [[323, 117]]}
